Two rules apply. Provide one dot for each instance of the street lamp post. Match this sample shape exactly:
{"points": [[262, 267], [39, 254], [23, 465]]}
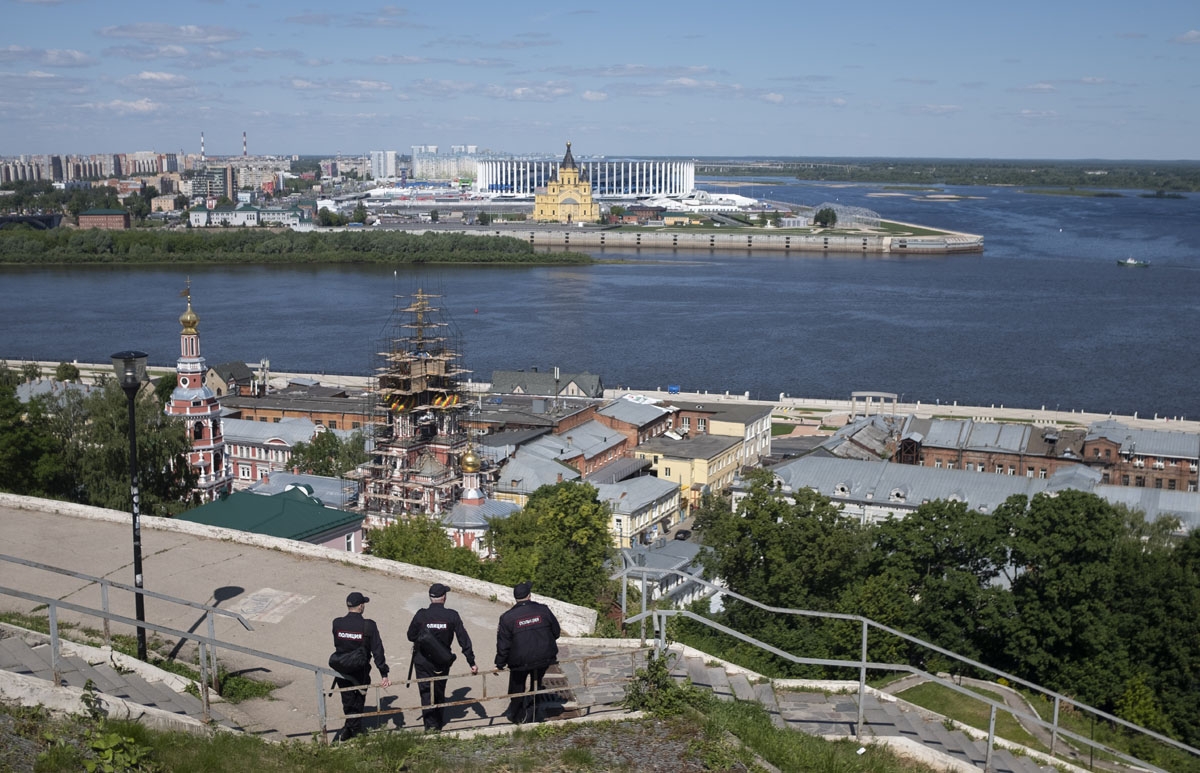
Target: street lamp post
{"points": [[130, 368]]}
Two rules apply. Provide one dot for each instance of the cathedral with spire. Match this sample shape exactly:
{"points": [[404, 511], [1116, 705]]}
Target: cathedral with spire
{"points": [[194, 403], [566, 198]]}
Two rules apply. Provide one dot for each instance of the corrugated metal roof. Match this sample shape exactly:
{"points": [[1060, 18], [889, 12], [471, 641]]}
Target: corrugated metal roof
{"points": [[1148, 442]]}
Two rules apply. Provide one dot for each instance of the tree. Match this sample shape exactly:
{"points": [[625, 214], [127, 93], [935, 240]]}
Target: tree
{"points": [[433, 215], [24, 445], [181, 202], [560, 541], [328, 455], [30, 371], [165, 477], [483, 218], [421, 540], [1063, 632], [360, 214], [826, 218], [66, 372]]}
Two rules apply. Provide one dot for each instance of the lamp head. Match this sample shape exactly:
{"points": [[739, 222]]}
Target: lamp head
{"points": [[130, 368]]}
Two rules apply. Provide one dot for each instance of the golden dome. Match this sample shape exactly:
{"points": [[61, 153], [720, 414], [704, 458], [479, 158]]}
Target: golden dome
{"points": [[189, 319], [470, 461]]}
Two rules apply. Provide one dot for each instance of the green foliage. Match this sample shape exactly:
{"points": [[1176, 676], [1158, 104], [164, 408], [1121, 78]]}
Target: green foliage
{"points": [[30, 371], [360, 214], [245, 245], [826, 218], [66, 372], [327, 219], [329, 455], [566, 527], [653, 690], [421, 540]]}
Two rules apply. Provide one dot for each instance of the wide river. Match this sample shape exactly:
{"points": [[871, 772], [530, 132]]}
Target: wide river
{"points": [[1043, 317]]}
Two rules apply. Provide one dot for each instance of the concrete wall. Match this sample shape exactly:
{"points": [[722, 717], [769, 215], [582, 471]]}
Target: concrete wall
{"points": [[575, 620]]}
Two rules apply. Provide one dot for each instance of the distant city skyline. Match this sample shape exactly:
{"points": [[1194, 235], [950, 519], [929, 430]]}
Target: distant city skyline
{"points": [[925, 79]]}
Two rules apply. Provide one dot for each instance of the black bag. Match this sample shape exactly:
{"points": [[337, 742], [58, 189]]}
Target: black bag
{"points": [[432, 649], [350, 662]]}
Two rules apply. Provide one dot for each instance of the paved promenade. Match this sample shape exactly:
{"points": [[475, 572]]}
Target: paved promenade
{"points": [[290, 599]]}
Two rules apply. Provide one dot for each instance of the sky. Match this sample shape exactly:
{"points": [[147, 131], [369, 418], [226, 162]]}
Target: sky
{"points": [[1040, 80]]}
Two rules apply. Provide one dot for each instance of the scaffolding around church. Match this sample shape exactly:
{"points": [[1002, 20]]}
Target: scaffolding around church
{"points": [[416, 403]]}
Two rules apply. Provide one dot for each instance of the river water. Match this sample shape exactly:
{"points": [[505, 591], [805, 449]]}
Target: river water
{"points": [[1044, 317]]}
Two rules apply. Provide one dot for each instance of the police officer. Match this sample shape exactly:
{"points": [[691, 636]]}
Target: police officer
{"points": [[526, 642], [352, 632], [443, 626]]}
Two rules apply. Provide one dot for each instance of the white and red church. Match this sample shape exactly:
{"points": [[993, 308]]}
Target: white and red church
{"points": [[196, 404]]}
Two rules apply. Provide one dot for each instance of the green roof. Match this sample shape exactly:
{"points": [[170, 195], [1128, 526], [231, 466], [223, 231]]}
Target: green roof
{"points": [[292, 514], [104, 212]]}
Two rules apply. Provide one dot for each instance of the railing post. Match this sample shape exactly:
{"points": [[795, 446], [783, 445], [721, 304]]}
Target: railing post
{"points": [[642, 622], [204, 682], [987, 761], [624, 599], [862, 684], [1054, 729], [54, 645], [212, 653], [321, 706], [104, 606]]}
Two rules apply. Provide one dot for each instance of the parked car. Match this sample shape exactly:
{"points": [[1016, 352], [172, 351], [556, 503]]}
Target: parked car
{"points": [[683, 534]]}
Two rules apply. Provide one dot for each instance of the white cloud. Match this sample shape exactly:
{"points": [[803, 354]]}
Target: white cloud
{"points": [[1189, 37], [146, 53], [937, 109], [46, 57], [1037, 115], [124, 107], [773, 98], [156, 32], [1040, 87], [371, 85], [594, 96], [303, 84], [148, 78]]}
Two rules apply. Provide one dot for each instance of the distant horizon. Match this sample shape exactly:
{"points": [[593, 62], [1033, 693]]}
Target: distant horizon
{"points": [[1018, 81]]}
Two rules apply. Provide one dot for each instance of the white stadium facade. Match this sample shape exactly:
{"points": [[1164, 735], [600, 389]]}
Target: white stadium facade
{"points": [[609, 179]]}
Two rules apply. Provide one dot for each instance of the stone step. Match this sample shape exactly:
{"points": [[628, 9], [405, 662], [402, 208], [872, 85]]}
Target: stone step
{"points": [[742, 689], [765, 694]]}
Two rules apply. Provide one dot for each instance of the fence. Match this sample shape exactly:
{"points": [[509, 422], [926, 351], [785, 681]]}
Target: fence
{"points": [[659, 618]]}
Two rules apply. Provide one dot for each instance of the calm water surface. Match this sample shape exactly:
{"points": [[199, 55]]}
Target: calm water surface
{"points": [[1043, 317]]}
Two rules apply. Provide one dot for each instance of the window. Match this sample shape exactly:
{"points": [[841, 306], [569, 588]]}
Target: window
{"points": [[686, 422], [1124, 480], [1012, 470], [355, 425], [667, 472], [244, 471], [1108, 453], [350, 542], [1158, 483], [949, 465], [1028, 472], [1042, 472], [999, 469], [970, 467], [1104, 477], [701, 425], [1140, 481], [333, 425], [937, 463], [1171, 485], [275, 420]]}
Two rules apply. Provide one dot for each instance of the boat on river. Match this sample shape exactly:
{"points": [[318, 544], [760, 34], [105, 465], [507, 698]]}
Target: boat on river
{"points": [[1133, 263]]}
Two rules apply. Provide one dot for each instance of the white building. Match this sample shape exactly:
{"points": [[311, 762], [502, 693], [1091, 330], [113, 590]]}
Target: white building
{"points": [[609, 179], [383, 164]]}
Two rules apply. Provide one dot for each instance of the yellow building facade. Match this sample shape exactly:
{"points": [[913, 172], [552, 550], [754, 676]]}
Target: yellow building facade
{"points": [[566, 199]]}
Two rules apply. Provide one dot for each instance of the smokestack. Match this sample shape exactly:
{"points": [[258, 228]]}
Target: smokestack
{"points": [[201, 147], [243, 144]]}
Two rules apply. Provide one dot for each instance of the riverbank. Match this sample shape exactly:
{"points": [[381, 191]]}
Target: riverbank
{"points": [[810, 413]]}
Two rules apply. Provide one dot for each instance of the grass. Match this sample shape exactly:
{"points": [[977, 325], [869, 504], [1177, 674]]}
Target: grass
{"points": [[904, 229], [235, 688], [779, 428]]}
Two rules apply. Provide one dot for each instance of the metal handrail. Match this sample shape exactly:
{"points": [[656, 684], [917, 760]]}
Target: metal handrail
{"points": [[646, 572], [483, 676], [105, 583], [53, 605]]}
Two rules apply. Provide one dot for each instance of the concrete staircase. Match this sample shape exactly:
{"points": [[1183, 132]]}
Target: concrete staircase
{"points": [[27, 654], [814, 712]]}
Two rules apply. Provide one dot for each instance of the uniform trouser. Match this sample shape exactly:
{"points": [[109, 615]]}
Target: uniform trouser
{"points": [[353, 701], [433, 717], [523, 708]]}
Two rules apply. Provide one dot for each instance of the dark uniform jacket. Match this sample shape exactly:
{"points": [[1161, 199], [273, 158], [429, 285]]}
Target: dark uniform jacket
{"points": [[354, 631], [444, 624], [526, 637]]}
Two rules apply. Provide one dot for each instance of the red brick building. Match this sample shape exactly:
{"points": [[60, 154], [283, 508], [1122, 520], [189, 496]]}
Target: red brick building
{"points": [[105, 219]]}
